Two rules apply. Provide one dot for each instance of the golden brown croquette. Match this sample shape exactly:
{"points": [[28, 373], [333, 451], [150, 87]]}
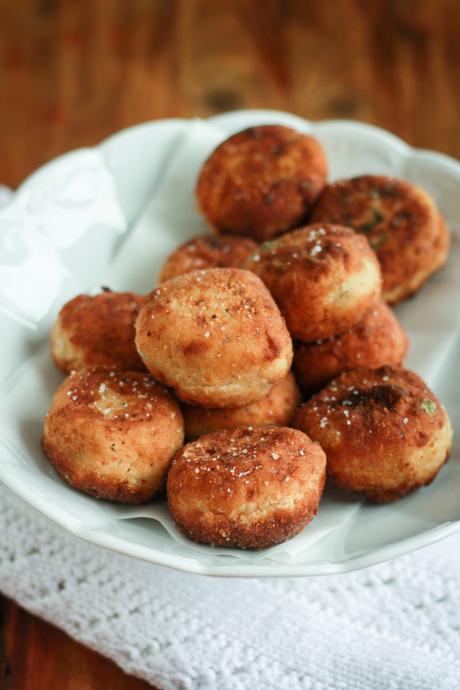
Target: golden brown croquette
{"points": [[323, 278], [383, 431], [215, 336], [97, 331], [401, 222], [207, 251], [277, 408], [261, 182], [113, 434], [250, 488], [376, 339]]}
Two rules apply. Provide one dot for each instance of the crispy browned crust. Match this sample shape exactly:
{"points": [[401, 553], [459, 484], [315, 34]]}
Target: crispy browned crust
{"points": [[401, 222], [250, 487], [262, 181], [215, 336], [113, 434], [376, 339], [97, 331], [439, 253], [388, 496], [262, 534], [384, 432], [207, 251], [323, 278], [277, 408]]}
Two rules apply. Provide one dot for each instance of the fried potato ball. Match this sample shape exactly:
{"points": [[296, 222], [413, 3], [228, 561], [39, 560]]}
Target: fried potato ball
{"points": [[113, 434], [250, 488], [276, 408], [207, 251], [401, 222], [376, 339], [383, 431], [215, 336], [97, 331], [262, 181], [323, 278]]}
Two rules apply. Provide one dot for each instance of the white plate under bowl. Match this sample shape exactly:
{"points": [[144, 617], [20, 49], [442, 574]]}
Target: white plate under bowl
{"points": [[110, 215]]}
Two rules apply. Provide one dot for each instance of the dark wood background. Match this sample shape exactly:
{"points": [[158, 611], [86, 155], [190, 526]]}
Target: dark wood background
{"points": [[74, 71]]}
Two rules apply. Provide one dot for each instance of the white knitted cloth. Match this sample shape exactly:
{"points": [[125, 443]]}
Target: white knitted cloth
{"points": [[395, 626]]}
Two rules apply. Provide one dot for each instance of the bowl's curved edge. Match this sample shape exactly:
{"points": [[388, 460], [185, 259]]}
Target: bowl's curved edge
{"points": [[231, 568]]}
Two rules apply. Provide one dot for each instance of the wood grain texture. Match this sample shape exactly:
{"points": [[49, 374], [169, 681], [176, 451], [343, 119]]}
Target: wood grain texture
{"points": [[74, 71], [38, 656]]}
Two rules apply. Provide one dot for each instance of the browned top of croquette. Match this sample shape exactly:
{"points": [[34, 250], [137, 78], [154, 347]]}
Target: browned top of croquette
{"points": [[207, 251], [124, 397], [370, 410], [261, 181], [97, 331]]}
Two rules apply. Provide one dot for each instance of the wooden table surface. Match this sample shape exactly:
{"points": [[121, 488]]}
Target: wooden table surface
{"points": [[74, 71]]}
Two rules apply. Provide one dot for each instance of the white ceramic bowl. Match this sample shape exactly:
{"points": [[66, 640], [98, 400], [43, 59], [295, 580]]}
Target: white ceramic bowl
{"points": [[110, 215]]}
